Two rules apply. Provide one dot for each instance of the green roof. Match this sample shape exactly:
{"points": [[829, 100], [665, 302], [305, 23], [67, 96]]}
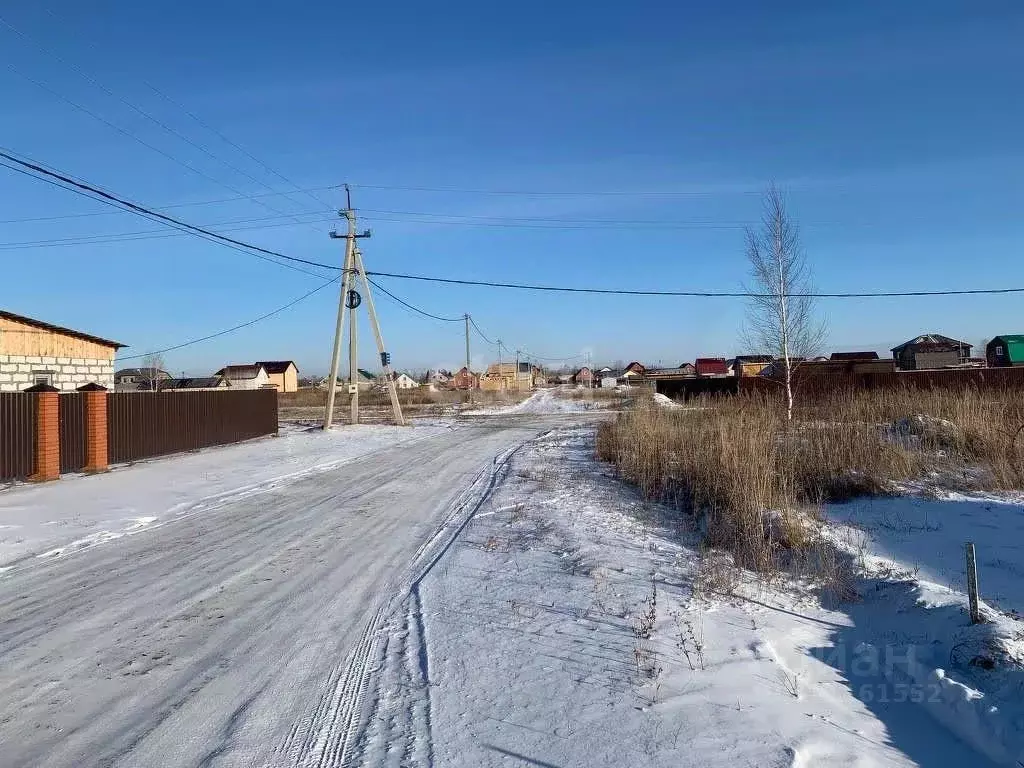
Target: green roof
{"points": [[1014, 347]]}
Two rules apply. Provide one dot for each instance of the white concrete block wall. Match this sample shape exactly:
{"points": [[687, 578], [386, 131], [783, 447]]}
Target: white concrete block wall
{"points": [[69, 373]]}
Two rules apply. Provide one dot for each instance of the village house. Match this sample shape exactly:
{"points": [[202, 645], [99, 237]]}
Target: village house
{"points": [[34, 352], [687, 369], [405, 381], [282, 375], [1006, 350], [465, 379], [750, 365], [584, 377], [931, 350], [136, 379], [609, 379], [245, 376], [711, 366]]}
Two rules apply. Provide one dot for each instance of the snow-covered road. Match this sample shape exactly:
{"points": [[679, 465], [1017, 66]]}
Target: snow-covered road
{"points": [[234, 637]]}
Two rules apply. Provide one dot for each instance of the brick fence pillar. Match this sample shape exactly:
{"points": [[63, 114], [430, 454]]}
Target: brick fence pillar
{"points": [[96, 456], [47, 433]]}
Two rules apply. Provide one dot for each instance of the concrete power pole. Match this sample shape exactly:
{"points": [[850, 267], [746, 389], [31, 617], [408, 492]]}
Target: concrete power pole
{"points": [[348, 280], [469, 371], [385, 356]]}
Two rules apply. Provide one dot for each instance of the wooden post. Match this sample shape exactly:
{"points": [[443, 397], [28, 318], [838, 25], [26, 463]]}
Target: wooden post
{"points": [[47, 433], [972, 583], [96, 454]]}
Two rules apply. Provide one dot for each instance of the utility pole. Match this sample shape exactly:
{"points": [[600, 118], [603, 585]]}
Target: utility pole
{"points": [[501, 371], [385, 356], [469, 371], [353, 345], [516, 379], [343, 301]]}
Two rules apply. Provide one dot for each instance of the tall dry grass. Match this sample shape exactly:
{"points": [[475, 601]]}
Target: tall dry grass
{"points": [[752, 477]]}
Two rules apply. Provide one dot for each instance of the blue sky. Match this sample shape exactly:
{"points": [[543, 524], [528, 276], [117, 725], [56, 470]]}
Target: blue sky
{"points": [[895, 130]]}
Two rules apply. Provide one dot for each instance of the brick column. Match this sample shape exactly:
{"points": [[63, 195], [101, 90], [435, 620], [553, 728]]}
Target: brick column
{"points": [[96, 457], [47, 433]]}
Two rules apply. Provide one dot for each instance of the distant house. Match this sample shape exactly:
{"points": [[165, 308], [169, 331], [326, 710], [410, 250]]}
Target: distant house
{"points": [[245, 376], [776, 369], [33, 352], [135, 379], [365, 380], [711, 366], [465, 379], [610, 379], [854, 356], [931, 350], [440, 378], [583, 377], [193, 384], [1004, 351], [750, 365], [405, 381], [687, 369], [283, 375]]}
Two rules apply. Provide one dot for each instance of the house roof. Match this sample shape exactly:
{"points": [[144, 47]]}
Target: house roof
{"points": [[636, 365], [364, 374], [276, 366], [60, 329], [933, 342], [753, 358], [711, 365], [854, 356], [148, 373], [610, 373], [240, 371], [201, 382]]}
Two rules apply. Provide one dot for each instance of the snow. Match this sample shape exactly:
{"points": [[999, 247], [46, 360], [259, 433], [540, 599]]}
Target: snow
{"points": [[572, 623], [78, 512], [542, 401], [665, 402]]}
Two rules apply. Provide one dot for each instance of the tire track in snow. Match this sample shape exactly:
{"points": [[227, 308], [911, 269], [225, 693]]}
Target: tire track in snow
{"points": [[327, 737]]}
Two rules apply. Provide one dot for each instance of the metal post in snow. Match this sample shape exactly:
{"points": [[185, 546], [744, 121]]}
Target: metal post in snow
{"points": [[972, 583]]}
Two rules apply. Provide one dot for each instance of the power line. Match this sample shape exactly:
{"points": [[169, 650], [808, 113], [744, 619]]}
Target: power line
{"points": [[154, 234], [307, 191], [556, 226], [404, 303], [239, 327], [554, 222], [167, 207], [696, 294], [476, 327], [563, 193], [139, 110], [95, 193]]}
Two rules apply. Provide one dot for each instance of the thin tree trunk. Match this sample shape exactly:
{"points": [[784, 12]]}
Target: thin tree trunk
{"points": [[784, 317]]}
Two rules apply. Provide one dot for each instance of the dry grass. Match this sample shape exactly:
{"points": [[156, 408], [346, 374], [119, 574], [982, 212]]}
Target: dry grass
{"points": [[755, 480]]}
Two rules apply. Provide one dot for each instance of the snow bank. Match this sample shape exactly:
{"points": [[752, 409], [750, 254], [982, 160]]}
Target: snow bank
{"points": [[665, 402], [541, 401], [55, 518]]}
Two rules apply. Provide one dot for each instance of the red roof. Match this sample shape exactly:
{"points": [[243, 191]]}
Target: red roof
{"points": [[711, 366]]}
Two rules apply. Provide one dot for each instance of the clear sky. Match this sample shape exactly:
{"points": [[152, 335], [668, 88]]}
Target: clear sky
{"points": [[896, 130]]}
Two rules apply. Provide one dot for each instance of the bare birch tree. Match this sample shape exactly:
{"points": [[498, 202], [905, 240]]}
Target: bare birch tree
{"points": [[151, 371], [781, 317]]}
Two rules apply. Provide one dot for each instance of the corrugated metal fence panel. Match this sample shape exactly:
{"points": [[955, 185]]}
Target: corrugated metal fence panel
{"points": [[144, 424], [17, 435], [72, 431], [810, 385]]}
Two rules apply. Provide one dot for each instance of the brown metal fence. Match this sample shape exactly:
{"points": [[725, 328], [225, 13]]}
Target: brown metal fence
{"points": [[17, 435], [144, 424], [823, 385], [71, 420]]}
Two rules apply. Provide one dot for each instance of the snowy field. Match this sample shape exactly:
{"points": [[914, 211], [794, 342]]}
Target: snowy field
{"points": [[542, 401], [79, 511], [571, 624]]}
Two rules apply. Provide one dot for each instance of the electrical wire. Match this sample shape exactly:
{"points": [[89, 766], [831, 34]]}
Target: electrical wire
{"points": [[563, 193], [239, 327], [699, 294], [164, 207], [139, 110], [477, 329], [95, 193], [404, 303]]}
